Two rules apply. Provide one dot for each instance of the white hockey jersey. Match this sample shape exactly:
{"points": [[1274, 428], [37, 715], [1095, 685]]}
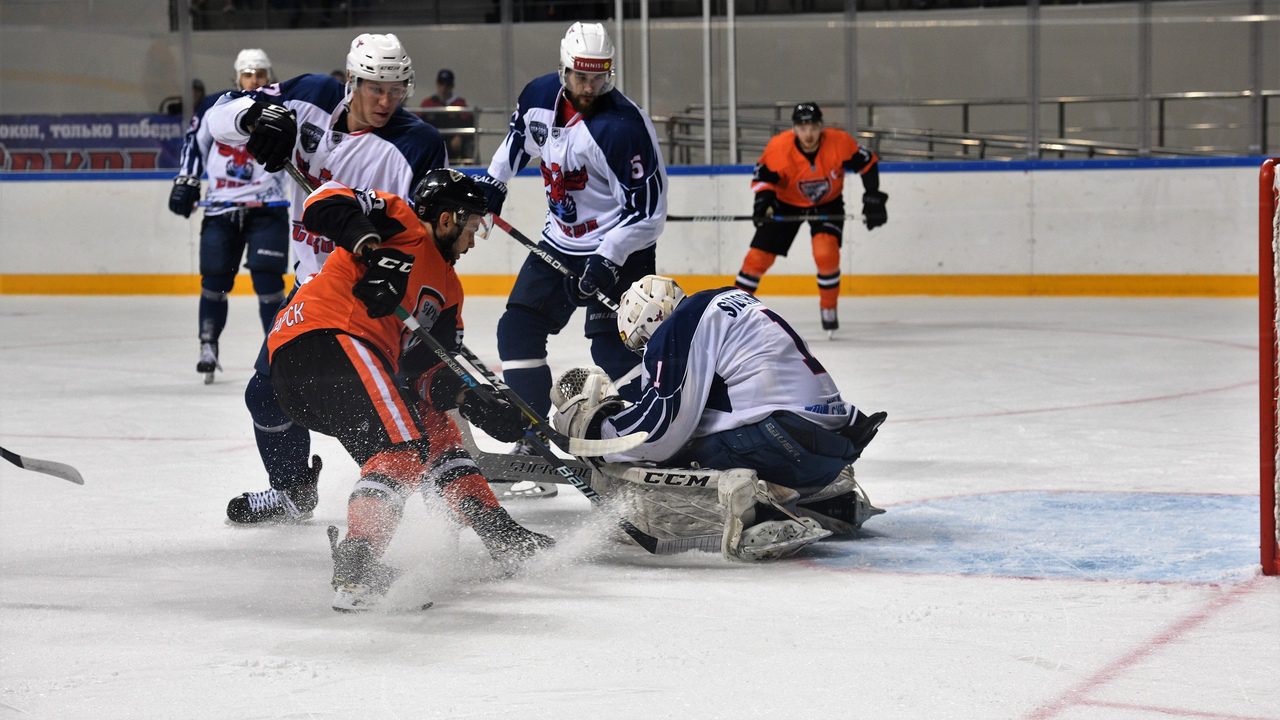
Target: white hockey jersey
{"points": [[605, 181], [390, 158], [721, 361], [234, 176]]}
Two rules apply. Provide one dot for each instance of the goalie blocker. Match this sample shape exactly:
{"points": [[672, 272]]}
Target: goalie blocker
{"points": [[753, 519]]}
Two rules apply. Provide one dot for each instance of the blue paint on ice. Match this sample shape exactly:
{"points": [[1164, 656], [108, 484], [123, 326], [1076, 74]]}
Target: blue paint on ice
{"points": [[1079, 535]]}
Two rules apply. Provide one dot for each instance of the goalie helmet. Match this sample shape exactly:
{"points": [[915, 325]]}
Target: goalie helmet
{"points": [[251, 59], [644, 306], [586, 47], [380, 58]]}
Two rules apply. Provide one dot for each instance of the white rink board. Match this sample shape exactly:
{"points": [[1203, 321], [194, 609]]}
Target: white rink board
{"points": [[1171, 221]]}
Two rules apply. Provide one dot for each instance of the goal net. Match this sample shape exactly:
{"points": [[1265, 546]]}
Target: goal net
{"points": [[1269, 353]]}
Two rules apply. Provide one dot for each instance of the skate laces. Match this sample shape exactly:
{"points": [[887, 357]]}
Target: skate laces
{"points": [[267, 500]]}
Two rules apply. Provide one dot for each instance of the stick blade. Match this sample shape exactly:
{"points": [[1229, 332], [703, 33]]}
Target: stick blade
{"points": [[582, 447], [48, 467]]}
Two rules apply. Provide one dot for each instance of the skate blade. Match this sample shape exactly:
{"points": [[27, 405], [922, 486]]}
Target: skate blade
{"points": [[208, 378]]}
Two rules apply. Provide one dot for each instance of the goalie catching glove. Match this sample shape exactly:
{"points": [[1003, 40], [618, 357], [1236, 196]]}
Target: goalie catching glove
{"points": [[481, 406], [584, 398]]}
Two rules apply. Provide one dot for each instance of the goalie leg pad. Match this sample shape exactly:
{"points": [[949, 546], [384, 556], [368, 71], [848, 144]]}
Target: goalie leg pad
{"points": [[776, 539]]}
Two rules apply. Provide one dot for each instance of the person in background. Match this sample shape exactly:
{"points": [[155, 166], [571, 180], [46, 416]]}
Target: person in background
{"points": [[801, 172], [461, 147], [245, 211]]}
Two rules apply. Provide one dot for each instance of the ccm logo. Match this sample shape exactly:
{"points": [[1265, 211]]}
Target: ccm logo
{"points": [[680, 479], [393, 264]]}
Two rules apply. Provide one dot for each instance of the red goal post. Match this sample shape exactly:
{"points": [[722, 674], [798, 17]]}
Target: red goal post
{"points": [[1269, 352]]}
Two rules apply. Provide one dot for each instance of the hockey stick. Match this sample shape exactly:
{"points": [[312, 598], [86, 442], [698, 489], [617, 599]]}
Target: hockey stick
{"points": [[244, 204], [580, 447], [650, 543], [48, 467], [548, 258], [745, 218]]}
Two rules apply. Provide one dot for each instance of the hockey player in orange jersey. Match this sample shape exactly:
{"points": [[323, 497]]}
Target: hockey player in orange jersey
{"points": [[801, 172], [337, 347]]}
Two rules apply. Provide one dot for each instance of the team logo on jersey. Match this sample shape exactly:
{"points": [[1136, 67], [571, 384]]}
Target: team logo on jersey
{"points": [[559, 183], [539, 132], [815, 190], [310, 136], [239, 164]]}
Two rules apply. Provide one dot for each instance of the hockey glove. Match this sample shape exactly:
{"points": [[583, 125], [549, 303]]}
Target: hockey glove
{"points": [[495, 192], [383, 286], [874, 213], [272, 131], [493, 414], [599, 275], [184, 195], [765, 205]]}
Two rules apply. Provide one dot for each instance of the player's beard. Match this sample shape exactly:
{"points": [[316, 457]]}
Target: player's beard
{"points": [[446, 244]]}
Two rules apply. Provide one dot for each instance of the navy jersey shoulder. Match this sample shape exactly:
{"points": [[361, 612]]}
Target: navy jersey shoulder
{"points": [[618, 128], [673, 339], [419, 142], [541, 92], [320, 90]]}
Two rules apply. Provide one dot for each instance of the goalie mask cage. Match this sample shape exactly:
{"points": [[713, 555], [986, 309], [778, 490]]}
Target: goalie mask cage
{"points": [[1268, 346]]}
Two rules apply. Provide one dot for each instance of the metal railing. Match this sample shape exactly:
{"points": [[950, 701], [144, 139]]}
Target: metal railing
{"points": [[955, 137]]}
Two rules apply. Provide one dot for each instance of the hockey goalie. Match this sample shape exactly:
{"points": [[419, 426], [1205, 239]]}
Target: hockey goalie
{"points": [[749, 438]]}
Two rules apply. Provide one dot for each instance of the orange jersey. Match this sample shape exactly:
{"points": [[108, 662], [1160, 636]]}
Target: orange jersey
{"points": [[325, 302], [797, 180]]}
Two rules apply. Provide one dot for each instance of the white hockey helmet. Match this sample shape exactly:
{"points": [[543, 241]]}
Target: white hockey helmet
{"points": [[380, 58], [586, 47], [644, 306], [251, 59]]}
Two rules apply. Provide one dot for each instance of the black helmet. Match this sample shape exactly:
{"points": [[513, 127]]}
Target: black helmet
{"points": [[806, 112], [446, 189]]}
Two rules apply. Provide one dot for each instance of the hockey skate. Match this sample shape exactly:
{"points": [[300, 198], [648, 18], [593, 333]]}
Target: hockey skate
{"points": [[279, 506], [843, 512], [208, 362], [359, 580], [523, 488], [507, 541], [830, 322]]}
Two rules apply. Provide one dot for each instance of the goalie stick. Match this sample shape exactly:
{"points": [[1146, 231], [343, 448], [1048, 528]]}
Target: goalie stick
{"points": [[744, 218], [573, 475], [548, 258], [48, 467], [574, 446]]}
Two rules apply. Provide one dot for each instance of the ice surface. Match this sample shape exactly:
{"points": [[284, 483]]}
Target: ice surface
{"points": [[1071, 533]]}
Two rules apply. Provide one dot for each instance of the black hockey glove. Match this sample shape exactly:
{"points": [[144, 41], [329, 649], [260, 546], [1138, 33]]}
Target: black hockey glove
{"points": [[493, 414], [495, 192], [765, 204], [599, 275], [383, 286], [874, 213], [272, 131], [184, 195]]}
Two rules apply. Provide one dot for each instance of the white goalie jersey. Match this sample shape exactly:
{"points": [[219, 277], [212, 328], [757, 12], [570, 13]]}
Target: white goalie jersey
{"points": [[723, 360]]}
